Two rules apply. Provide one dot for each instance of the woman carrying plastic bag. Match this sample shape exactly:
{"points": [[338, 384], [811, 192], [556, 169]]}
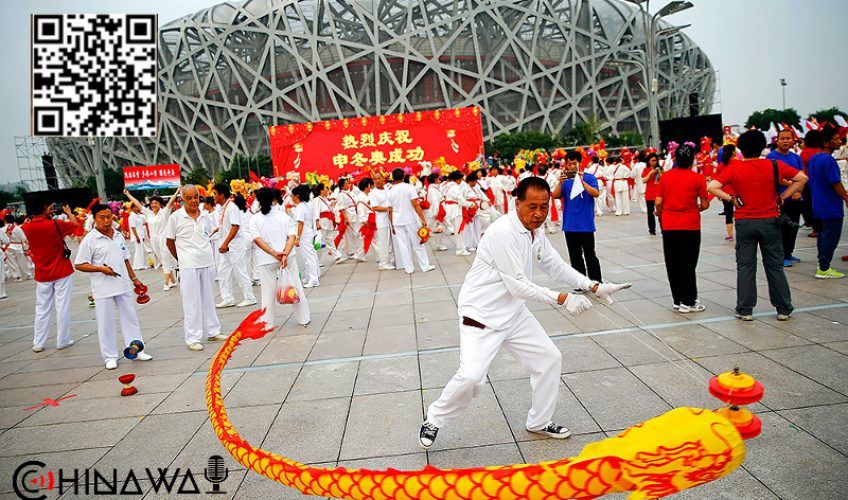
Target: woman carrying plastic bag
{"points": [[274, 233]]}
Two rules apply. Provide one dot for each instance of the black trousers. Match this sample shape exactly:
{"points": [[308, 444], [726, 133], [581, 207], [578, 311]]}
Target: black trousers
{"points": [[582, 246], [807, 210], [652, 220], [793, 209], [682, 249], [728, 211]]}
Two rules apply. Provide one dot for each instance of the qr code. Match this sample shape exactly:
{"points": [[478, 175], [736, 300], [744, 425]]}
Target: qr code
{"points": [[94, 75]]}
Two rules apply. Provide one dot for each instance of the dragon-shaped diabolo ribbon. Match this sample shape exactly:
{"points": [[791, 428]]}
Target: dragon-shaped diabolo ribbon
{"points": [[680, 449]]}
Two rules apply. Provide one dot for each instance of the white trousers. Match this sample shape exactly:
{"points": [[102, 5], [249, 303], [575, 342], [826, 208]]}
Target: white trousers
{"points": [[351, 242], [18, 263], [453, 226], [160, 250], [234, 268], [311, 272], [382, 240], [622, 202], [328, 236], [472, 233], [46, 294], [526, 340], [2, 274], [640, 199], [199, 316], [601, 200], [104, 311], [139, 254], [406, 241], [268, 280]]}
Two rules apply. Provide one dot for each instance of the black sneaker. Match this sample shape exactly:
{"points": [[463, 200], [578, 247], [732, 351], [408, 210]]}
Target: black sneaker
{"points": [[427, 435], [552, 430]]}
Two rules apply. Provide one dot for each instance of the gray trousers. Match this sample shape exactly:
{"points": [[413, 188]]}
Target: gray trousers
{"points": [[751, 233]]}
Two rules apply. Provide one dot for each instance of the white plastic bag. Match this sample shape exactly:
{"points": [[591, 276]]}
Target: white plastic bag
{"points": [[287, 290]]}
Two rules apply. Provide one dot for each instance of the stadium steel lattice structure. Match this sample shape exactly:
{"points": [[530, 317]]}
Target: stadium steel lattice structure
{"points": [[229, 71]]}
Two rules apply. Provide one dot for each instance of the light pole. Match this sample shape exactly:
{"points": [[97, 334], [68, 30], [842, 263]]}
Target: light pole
{"points": [[97, 162], [652, 36], [783, 89]]}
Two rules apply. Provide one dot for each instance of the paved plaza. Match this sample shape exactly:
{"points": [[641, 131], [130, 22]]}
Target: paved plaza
{"points": [[350, 389]]}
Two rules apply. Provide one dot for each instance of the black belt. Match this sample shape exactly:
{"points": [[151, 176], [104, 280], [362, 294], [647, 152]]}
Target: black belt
{"points": [[470, 322]]}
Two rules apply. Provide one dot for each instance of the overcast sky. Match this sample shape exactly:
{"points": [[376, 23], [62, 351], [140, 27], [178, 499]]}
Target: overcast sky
{"points": [[751, 43]]}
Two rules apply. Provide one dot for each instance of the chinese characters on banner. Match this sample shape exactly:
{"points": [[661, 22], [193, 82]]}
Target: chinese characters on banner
{"points": [[152, 177], [377, 143]]}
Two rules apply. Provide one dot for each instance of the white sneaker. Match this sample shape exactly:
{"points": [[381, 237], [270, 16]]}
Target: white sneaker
{"points": [[553, 430], [166, 288], [197, 346], [684, 309], [217, 338], [246, 303], [37, 349], [441, 248], [143, 356], [69, 344], [463, 253], [362, 259], [428, 268], [386, 267], [472, 249], [111, 364], [222, 305], [340, 259], [310, 285], [4, 296]]}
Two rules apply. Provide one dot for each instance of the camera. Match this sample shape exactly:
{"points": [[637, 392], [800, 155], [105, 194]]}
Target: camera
{"points": [[67, 253], [570, 174], [785, 220]]}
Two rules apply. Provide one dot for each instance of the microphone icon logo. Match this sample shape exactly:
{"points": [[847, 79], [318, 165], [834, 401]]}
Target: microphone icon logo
{"points": [[216, 473]]}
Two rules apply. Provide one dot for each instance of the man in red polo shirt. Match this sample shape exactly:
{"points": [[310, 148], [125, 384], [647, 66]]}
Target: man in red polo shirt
{"points": [[53, 272], [756, 212]]}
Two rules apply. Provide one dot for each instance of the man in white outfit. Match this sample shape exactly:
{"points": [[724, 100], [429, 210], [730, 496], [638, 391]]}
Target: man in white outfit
{"points": [[54, 273], [16, 250], [4, 243], [233, 250], [620, 173], [103, 253], [378, 199], [493, 313], [404, 216], [138, 235], [187, 236]]}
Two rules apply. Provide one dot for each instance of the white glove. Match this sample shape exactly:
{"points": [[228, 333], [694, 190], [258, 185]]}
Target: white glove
{"points": [[577, 304], [605, 290]]}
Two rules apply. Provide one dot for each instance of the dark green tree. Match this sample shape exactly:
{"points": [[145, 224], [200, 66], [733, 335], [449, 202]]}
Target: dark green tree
{"points": [[198, 175], [763, 119], [827, 115]]}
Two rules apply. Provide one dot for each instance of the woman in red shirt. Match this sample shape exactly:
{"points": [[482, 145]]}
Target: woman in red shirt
{"points": [[650, 178], [681, 197], [727, 154]]}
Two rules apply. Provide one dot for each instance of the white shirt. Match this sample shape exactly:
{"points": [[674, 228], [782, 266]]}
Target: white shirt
{"points": [[98, 249], [303, 213], [380, 198], [137, 223], [274, 228], [400, 199], [346, 202], [156, 221], [191, 238], [500, 279], [232, 216]]}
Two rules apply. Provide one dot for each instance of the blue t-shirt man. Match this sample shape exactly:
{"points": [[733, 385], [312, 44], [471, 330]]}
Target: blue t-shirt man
{"points": [[824, 173], [578, 215], [790, 158]]}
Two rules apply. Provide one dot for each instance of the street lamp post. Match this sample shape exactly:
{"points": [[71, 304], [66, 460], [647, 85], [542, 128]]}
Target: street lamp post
{"points": [[652, 36], [96, 143], [783, 89]]}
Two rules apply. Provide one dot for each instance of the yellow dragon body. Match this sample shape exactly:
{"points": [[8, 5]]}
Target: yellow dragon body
{"points": [[669, 453]]}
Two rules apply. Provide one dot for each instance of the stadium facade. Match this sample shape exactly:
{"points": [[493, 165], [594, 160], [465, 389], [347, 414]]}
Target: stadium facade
{"points": [[229, 71]]}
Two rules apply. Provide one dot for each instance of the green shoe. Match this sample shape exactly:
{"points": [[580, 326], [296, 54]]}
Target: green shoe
{"points": [[831, 274]]}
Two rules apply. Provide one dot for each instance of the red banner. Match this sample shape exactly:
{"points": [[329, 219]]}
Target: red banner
{"points": [[379, 143], [152, 177]]}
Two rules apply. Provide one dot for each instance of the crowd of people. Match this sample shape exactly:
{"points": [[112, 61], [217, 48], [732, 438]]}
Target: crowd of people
{"points": [[242, 235]]}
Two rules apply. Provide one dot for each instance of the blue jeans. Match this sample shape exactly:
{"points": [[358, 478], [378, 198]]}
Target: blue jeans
{"points": [[831, 230]]}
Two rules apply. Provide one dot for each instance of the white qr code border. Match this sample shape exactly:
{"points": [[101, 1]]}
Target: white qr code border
{"points": [[94, 75]]}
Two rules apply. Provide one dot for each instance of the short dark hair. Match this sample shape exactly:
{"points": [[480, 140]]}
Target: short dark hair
{"points": [[531, 182], [787, 130], [455, 175], [684, 156], [99, 207], [574, 155], [813, 139], [366, 183], [397, 174], [222, 189], [158, 199], [827, 132], [751, 143], [472, 177]]}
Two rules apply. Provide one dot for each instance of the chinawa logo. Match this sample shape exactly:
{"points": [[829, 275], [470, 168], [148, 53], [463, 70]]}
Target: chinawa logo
{"points": [[32, 480]]}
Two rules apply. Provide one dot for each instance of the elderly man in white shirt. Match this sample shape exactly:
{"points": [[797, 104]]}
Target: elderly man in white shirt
{"points": [[103, 253], [404, 216], [493, 313], [187, 236]]}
